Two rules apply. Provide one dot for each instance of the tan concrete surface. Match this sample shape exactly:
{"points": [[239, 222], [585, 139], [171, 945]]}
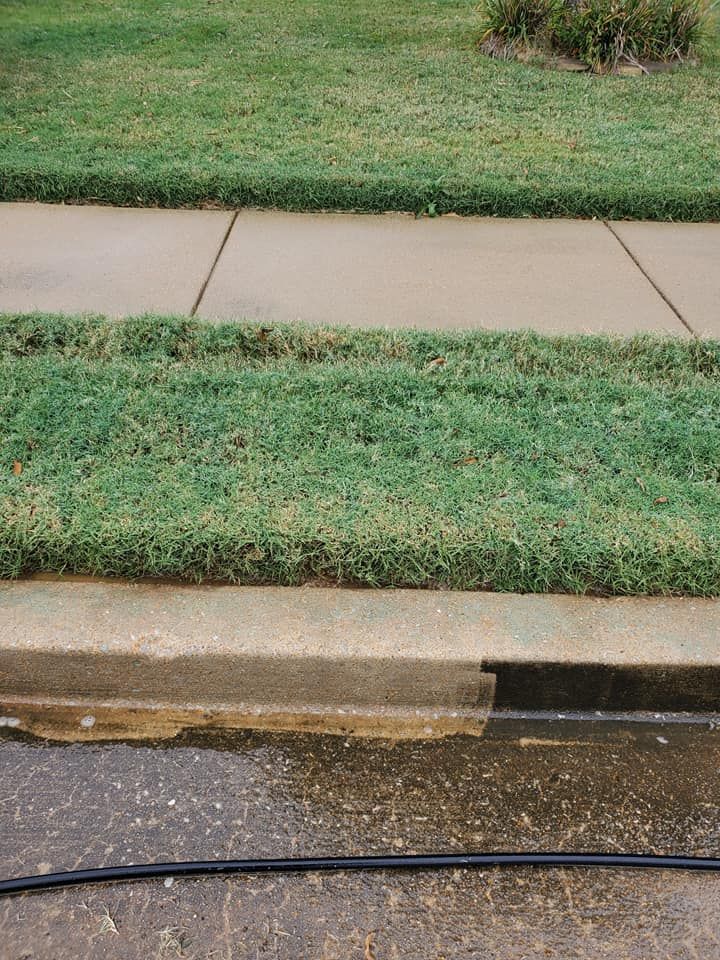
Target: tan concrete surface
{"points": [[555, 276], [683, 260], [280, 657], [294, 649], [109, 260], [165, 620]]}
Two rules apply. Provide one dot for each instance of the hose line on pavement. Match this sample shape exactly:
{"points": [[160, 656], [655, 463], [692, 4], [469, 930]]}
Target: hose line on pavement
{"points": [[210, 868]]}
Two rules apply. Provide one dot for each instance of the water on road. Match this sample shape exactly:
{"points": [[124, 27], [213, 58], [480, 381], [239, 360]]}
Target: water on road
{"points": [[572, 785]]}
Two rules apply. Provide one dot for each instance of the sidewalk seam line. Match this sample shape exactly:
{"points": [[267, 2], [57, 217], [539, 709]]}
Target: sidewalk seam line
{"points": [[209, 277], [650, 280]]}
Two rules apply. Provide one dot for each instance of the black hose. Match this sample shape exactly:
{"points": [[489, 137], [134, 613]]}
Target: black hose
{"points": [[195, 868]]}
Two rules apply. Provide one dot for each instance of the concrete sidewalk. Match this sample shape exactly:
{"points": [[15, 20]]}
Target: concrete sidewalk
{"points": [[555, 276]]}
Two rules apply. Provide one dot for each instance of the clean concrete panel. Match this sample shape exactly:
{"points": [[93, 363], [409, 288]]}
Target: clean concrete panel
{"points": [[109, 260], [683, 259], [554, 276]]}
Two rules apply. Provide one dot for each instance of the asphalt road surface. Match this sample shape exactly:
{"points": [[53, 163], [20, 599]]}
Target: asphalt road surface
{"points": [[526, 785]]}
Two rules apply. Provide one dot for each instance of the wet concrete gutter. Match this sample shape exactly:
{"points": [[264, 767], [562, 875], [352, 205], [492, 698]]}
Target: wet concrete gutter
{"points": [[390, 662]]}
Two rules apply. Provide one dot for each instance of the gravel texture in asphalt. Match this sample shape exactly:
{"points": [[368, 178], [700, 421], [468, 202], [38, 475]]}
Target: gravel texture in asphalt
{"points": [[527, 785]]}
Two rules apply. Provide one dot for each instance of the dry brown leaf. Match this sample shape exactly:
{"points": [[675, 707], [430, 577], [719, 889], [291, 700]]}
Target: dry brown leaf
{"points": [[17, 468], [660, 500], [561, 524], [466, 461], [370, 946], [437, 362]]}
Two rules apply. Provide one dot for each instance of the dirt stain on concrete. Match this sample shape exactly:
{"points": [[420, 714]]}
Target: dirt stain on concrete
{"points": [[75, 721]]}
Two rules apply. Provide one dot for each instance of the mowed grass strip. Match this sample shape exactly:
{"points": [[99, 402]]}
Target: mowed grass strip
{"points": [[318, 104], [287, 454]]}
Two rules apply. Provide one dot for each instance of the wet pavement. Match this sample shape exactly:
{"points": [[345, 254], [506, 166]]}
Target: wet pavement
{"points": [[526, 785]]}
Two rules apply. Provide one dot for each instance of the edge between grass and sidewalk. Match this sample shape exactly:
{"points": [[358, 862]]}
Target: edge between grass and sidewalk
{"points": [[379, 193]]}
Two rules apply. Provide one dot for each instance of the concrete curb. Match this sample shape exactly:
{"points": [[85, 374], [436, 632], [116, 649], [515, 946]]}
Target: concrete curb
{"points": [[141, 659]]}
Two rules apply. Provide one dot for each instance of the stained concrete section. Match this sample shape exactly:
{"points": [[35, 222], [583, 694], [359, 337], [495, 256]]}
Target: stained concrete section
{"points": [[284, 653], [345, 660], [683, 260], [115, 261], [555, 276], [632, 788]]}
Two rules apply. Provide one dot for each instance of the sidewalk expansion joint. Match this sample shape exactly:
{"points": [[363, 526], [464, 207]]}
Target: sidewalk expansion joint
{"points": [[650, 280], [209, 277]]}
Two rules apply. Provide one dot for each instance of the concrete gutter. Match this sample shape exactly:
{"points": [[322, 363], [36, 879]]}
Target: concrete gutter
{"points": [[100, 659]]}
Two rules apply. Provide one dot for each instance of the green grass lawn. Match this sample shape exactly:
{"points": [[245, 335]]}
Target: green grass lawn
{"points": [[480, 460], [309, 104]]}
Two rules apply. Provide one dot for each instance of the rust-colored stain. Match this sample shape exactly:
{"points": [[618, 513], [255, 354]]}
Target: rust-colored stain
{"points": [[72, 722]]}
